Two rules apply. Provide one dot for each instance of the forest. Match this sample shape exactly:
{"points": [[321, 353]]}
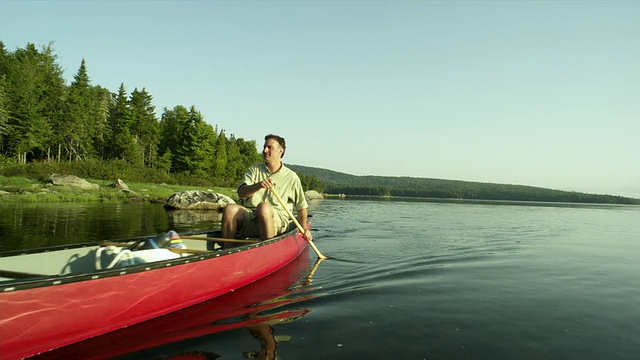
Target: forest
{"points": [[49, 126], [85, 126]]}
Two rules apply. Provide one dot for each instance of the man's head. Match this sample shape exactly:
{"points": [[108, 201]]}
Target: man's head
{"points": [[274, 143]]}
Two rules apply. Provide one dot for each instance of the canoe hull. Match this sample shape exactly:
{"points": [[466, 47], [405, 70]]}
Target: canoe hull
{"points": [[48, 317], [276, 297]]}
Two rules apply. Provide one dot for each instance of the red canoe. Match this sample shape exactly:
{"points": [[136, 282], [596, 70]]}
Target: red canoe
{"points": [[277, 298], [48, 298]]}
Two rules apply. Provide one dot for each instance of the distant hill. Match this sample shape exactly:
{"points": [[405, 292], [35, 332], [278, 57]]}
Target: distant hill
{"points": [[340, 183]]}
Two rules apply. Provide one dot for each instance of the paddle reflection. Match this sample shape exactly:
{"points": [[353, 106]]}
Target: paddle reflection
{"points": [[264, 330], [257, 307]]}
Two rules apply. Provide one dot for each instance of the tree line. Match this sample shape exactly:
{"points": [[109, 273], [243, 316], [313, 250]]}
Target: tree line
{"points": [[341, 183], [44, 119]]}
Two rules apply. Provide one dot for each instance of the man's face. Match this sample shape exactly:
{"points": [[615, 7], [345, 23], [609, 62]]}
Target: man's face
{"points": [[272, 150]]}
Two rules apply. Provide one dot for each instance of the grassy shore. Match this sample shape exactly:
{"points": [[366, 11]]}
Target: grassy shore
{"points": [[23, 189]]}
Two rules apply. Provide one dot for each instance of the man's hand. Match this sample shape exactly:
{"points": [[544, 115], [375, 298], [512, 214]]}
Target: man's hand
{"points": [[268, 184], [307, 235]]}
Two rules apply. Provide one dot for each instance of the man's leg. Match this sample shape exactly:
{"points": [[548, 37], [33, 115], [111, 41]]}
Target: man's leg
{"points": [[232, 220], [265, 216]]}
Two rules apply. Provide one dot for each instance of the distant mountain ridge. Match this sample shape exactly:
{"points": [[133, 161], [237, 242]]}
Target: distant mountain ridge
{"points": [[341, 183]]}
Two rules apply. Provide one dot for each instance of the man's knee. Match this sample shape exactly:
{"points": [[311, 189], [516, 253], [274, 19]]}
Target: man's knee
{"points": [[264, 211], [232, 212]]}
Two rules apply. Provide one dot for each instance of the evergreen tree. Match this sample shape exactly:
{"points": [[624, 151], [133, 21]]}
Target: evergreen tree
{"points": [[5, 58], [249, 153], [55, 93], [4, 115], [145, 127], [196, 149], [220, 159], [234, 170], [120, 120], [81, 108], [172, 123], [86, 128], [32, 99], [163, 163], [101, 132]]}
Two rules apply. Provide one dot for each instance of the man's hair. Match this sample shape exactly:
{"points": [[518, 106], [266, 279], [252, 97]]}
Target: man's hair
{"points": [[280, 141]]}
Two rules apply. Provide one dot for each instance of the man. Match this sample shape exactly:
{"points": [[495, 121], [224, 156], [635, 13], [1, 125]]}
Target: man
{"points": [[260, 213]]}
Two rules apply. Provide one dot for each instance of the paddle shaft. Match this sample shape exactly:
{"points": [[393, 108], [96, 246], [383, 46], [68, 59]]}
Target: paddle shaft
{"points": [[295, 221], [21, 275], [240, 241]]}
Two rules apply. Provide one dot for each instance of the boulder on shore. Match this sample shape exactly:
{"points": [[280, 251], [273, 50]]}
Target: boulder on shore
{"points": [[119, 184], [313, 195], [71, 181], [197, 200]]}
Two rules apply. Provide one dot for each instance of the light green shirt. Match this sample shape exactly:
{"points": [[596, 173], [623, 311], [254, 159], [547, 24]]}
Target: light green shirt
{"points": [[288, 187]]}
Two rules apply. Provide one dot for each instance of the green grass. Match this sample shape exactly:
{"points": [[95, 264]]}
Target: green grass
{"points": [[23, 189]]}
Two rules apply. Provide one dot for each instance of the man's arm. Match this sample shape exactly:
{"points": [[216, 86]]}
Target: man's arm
{"points": [[244, 191], [302, 219]]}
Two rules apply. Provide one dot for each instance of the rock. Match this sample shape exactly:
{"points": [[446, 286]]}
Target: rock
{"points": [[2, 192], [197, 200], [313, 195], [71, 180], [119, 184]]}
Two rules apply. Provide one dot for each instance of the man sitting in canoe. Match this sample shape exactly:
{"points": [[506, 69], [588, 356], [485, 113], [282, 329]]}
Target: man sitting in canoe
{"points": [[261, 214]]}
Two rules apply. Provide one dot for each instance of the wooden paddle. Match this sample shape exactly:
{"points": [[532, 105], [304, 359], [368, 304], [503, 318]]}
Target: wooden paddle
{"points": [[295, 221], [21, 275], [239, 241]]}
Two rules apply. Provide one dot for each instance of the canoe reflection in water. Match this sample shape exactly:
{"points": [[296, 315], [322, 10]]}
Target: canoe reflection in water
{"points": [[256, 307]]}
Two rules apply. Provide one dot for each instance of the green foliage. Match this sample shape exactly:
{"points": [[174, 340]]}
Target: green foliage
{"points": [[87, 131], [99, 169], [144, 126], [33, 95], [220, 157], [310, 182]]}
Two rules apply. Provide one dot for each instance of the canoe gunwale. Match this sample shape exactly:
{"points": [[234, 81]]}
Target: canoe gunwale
{"points": [[53, 280]]}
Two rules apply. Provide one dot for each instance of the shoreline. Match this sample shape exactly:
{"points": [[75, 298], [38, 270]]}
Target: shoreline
{"points": [[23, 189]]}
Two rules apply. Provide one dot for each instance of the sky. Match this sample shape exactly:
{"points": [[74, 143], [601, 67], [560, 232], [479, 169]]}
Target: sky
{"points": [[539, 93]]}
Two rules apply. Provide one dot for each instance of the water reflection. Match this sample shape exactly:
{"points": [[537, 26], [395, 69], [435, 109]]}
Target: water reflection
{"points": [[260, 308], [265, 331], [34, 225], [188, 217]]}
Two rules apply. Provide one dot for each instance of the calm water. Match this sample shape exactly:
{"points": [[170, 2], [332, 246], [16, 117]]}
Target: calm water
{"points": [[407, 280]]}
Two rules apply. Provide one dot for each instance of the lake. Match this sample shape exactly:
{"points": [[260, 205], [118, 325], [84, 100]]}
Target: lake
{"points": [[406, 280]]}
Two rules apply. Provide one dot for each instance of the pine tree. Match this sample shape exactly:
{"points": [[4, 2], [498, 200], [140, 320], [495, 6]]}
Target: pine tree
{"points": [[118, 125], [220, 162], [29, 105], [172, 123], [53, 102], [234, 168], [196, 149], [101, 132], [81, 107], [4, 115], [145, 127]]}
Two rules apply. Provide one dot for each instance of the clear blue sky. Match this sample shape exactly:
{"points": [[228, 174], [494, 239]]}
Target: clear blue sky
{"points": [[535, 93]]}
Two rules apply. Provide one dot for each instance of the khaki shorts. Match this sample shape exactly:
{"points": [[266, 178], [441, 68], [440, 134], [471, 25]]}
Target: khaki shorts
{"points": [[250, 225]]}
